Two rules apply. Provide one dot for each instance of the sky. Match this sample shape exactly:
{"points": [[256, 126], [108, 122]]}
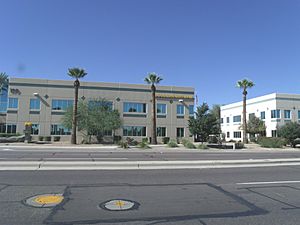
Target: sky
{"points": [[205, 44]]}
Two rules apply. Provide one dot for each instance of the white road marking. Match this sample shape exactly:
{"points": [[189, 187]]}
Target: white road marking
{"points": [[271, 182], [7, 149]]}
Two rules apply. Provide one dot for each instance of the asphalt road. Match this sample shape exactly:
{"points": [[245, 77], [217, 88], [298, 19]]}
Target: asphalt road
{"points": [[185, 197]]}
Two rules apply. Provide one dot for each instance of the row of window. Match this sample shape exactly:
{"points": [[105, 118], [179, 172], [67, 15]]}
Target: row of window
{"points": [[275, 114], [58, 129], [236, 134], [141, 131], [61, 104]]}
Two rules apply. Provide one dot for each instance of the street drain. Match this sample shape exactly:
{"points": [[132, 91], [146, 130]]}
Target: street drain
{"points": [[119, 205], [45, 200]]}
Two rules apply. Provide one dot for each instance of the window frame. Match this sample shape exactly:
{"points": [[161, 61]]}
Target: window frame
{"points": [[56, 124], [62, 108], [139, 105], [237, 134], [237, 116], [11, 124], [165, 132], [277, 111], [177, 128], [263, 113], [35, 109], [8, 103], [180, 114], [38, 128], [290, 114], [160, 113], [131, 132]]}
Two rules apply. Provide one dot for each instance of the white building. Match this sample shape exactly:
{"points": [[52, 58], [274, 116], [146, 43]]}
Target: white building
{"points": [[274, 109]]}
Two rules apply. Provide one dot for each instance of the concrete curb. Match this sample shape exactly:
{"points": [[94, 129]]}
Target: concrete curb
{"points": [[150, 165]]}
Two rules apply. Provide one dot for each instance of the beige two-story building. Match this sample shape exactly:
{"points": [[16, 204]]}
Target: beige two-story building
{"points": [[43, 103]]}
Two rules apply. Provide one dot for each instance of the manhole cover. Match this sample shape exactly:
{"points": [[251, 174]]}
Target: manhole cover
{"points": [[45, 200], [119, 205]]}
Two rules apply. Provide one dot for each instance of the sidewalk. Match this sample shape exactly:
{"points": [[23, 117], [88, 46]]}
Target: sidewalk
{"points": [[160, 147]]}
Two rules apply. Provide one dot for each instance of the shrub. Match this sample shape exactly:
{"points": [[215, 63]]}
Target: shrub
{"points": [[9, 135], [166, 140], [172, 144], [271, 142], [47, 138], [41, 138], [143, 144], [213, 139], [290, 131], [123, 144], [253, 139], [184, 141], [202, 146], [131, 141], [56, 138], [239, 145], [145, 140], [190, 145]]}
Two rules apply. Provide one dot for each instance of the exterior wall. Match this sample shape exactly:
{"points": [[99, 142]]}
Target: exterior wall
{"points": [[265, 103], [115, 92]]}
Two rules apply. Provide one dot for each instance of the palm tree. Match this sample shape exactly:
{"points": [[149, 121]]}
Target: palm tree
{"points": [[3, 81], [75, 73], [153, 79], [245, 84]]}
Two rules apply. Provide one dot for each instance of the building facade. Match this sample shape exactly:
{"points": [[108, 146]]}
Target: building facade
{"points": [[274, 109], [43, 102]]}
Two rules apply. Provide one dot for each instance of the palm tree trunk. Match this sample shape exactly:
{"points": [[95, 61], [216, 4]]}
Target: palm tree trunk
{"points": [[153, 138], [245, 139], [74, 121]]}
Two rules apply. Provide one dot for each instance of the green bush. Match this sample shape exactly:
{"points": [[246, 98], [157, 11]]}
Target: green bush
{"points": [[47, 138], [131, 141], [172, 143], [190, 145], [166, 140], [9, 135], [184, 141], [271, 142], [143, 144], [290, 131], [187, 143], [41, 138], [213, 139], [239, 145], [56, 138], [202, 146], [145, 140], [123, 144]]}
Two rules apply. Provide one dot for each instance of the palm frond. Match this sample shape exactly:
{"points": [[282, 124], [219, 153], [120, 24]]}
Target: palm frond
{"points": [[245, 83], [153, 78], [76, 72]]}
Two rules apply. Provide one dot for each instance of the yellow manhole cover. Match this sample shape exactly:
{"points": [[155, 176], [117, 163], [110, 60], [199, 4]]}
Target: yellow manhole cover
{"points": [[49, 199], [46, 200]]}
